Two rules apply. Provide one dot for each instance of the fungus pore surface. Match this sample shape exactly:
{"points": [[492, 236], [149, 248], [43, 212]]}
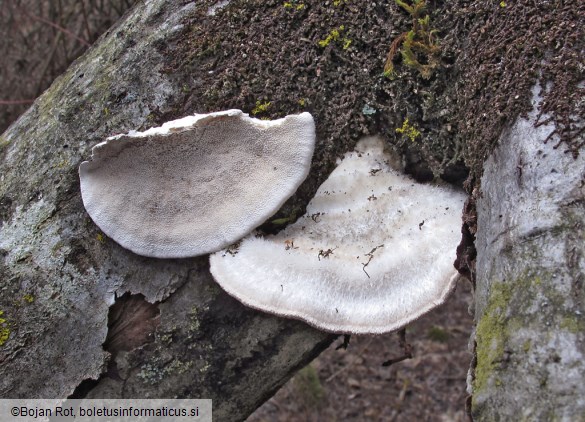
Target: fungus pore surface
{"points": [[374, 251], [197, 184]]}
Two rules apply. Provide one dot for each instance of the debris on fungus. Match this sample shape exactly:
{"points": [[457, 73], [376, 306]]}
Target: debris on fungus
{"points": [[353, 264]]}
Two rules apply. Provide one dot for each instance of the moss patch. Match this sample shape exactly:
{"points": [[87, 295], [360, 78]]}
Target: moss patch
{"points": [[4, 330], [492, 334], [574, 324], [438, 334], [511, 307], [309, 387]]}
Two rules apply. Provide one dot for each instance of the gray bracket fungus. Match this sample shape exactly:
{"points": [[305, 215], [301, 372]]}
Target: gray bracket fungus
{"points": [[374, 251], [197, 184]]}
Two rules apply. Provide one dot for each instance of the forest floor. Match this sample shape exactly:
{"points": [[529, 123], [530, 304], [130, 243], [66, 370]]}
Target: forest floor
{"points": [[352, 384]]}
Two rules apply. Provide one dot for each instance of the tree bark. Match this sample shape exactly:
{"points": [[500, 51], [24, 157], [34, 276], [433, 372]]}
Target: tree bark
{"points": [[60, 275], [530, 308]]}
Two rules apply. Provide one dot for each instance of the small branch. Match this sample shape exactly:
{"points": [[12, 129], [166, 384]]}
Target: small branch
{"points": [[405, 346], [57, 27], [371, 256]]}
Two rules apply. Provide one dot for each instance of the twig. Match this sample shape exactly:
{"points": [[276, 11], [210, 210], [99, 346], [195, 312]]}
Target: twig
{"points": [[57, 27], [371, 256], [350, 364], [405, 346]]}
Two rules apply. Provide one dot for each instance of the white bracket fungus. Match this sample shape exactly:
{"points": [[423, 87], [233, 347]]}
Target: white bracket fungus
{"points": [[374, 251], [197, 184]]}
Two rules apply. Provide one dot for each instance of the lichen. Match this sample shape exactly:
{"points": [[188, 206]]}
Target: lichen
{"points": [[194, 323], [155, 372], [498, 329], [573, 323], [4, 330], [492, 334]]}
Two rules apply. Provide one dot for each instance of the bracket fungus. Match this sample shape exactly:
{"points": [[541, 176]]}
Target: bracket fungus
{"points": [[374, 251], [197, 184]]}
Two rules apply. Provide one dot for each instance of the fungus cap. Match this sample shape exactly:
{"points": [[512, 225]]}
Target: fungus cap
{"points": [[374, 251], [197, 184]]}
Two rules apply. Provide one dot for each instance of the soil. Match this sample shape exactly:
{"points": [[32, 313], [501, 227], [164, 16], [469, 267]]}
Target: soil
{"points": [[352, 384]]}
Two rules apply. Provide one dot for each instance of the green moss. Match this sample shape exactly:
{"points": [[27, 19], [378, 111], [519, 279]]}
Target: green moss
{"points": [[492, 334], [309, 387], [438, 334], [28, 298], [418, 47], [335, 35], [3, 143], [332, 36], [292, 5], [408, 130], [574, 324], [4, 330], [260, 107]]}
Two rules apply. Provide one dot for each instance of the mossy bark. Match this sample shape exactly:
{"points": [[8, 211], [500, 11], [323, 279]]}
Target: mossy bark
{"points": [[59, 275], [530, 307]]}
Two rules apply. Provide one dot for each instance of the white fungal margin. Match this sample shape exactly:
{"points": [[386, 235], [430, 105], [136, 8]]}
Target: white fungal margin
{"points": [[374, 251]]}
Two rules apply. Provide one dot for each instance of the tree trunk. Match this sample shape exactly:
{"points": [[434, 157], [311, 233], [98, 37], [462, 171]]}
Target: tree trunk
{"points": [[530, 308], [60, 275], [81, 314]]}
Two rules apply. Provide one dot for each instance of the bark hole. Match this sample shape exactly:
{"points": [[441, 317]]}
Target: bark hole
{"points": [[132, 322]]}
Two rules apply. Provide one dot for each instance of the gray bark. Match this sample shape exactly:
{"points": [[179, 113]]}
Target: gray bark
{"points": [[530, 308], [59, 274]]}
